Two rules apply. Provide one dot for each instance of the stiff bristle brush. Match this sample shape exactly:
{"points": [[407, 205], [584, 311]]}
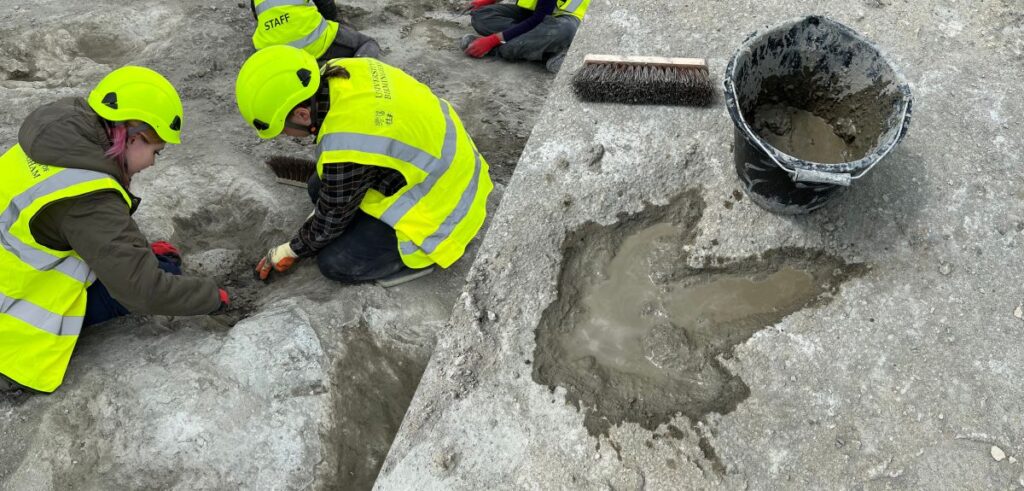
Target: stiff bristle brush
{"points": [[644, 80], [292, 170]]}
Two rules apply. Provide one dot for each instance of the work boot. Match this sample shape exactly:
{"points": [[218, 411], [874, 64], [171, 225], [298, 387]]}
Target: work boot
{"points": [[404, 276], [369, 50], [555, 62], [467, 40]]}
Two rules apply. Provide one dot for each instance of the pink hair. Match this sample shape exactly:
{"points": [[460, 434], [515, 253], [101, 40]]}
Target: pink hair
{"points": [[118, 134]]}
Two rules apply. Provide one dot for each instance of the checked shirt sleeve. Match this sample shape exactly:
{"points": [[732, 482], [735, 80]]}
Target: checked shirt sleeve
{"points": [[343, 186]]}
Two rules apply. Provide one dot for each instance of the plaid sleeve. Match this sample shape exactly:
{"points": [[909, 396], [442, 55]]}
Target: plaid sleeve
{"points": [[343, 187]]}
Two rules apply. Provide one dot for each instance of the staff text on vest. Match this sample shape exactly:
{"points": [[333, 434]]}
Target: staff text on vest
{"points": [[275, 22]]}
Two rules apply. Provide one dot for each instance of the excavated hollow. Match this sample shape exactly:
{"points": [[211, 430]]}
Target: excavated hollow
{"points": [[638, 334]]}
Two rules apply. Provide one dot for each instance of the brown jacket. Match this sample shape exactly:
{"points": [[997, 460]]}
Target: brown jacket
{"points": [[99, 226]]}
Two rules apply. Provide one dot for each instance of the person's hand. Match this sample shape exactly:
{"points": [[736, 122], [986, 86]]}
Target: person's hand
{"points": [[165, 249], [162, 248], [279, 258], [225, 315], [476, 5], [482, 46]]}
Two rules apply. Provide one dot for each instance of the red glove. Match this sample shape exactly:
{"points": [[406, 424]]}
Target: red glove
{"points": [[479, 4], [161, 248], [224, 302], [167, 251], [482, 46]]}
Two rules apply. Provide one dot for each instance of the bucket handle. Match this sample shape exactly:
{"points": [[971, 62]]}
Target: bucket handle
{"points": [[805, 175]]}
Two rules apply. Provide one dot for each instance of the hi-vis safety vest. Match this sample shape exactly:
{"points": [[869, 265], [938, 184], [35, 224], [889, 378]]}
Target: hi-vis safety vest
{"points": [[383, 117], [575, 8], [42, 290], [296, 23]]}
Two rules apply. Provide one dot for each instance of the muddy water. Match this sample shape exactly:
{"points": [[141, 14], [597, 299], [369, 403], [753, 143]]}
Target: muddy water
{"points": [[802, 134], [637, 334], [704, 310], [613, 326], [630, 317]]}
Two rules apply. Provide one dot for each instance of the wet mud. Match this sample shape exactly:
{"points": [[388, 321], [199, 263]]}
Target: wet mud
{"points": [[802, 82], [802, 134], [803, 116], [637, 335]]}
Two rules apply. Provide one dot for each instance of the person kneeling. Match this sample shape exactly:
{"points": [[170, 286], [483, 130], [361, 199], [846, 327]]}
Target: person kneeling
{"points": [[400, 185], [310, 25], [71, 254], [532, 30]]}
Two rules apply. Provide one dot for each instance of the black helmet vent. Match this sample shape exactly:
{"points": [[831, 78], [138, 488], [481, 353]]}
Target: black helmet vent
{"points": [[110, 100], [304, 76]]}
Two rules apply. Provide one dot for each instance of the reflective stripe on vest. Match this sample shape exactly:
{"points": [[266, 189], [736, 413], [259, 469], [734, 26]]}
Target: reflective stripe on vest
{"points": [[434, 167], [311, 38], [38, 259], [414, 211], [430, 244], [408, 247], [42, 290], [576, 8], [37, 316], [266, 5], [296, 23]]}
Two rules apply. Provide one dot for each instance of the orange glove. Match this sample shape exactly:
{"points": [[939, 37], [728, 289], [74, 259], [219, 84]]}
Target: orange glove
{"points": [[279, 258]]}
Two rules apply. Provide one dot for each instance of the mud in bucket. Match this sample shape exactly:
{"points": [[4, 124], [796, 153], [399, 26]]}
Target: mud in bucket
{"points": [[816, 106]]}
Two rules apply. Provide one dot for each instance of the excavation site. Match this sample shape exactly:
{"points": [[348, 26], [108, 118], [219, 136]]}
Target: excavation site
{"points": [[804, 277]]}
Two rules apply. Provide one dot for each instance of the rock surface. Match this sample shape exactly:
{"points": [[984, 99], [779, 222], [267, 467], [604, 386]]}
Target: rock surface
{"points": [[905, 378]]}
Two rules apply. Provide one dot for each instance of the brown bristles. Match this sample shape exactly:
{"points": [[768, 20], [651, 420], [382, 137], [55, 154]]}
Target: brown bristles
{"points": [[292, 170], [644, 80]]}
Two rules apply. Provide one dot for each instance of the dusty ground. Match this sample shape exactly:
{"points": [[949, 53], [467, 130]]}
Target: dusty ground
{"points": [[310, 385]]}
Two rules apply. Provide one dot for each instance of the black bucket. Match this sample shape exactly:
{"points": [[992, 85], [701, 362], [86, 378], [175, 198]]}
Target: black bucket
{"points": [[816, 106]]}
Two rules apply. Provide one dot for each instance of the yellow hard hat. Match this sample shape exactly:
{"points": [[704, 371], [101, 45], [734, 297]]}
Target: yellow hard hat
{"points": [[135, 92], [271, 83]]}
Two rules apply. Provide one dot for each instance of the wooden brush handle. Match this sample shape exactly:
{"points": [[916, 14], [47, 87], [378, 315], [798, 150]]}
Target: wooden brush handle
{"points": [[647, 60]]}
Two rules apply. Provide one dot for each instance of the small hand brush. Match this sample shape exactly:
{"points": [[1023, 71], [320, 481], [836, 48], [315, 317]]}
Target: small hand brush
{"points": [[644, 80], [291, 170]]}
